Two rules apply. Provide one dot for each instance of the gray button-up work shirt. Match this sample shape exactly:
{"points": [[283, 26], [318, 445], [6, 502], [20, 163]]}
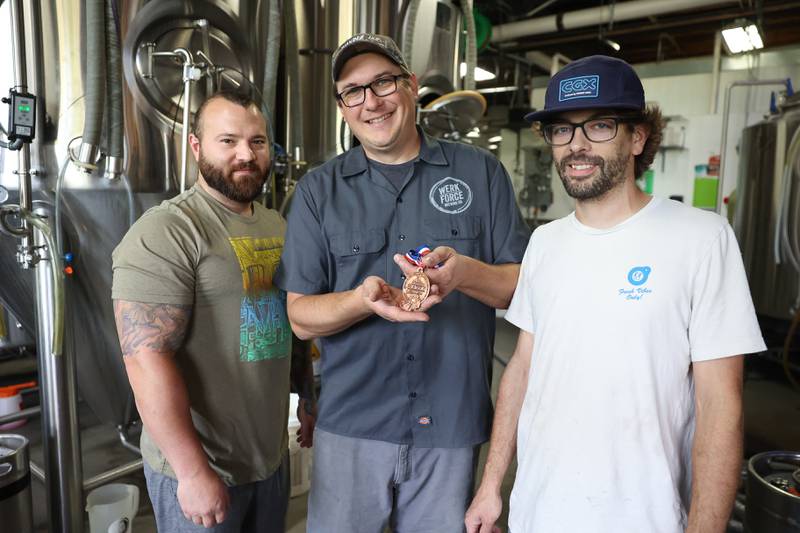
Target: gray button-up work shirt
{"points": [[426, 384]]}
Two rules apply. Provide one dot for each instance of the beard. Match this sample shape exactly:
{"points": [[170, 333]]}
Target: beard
{"points": [[611, 175], [245, 189]]}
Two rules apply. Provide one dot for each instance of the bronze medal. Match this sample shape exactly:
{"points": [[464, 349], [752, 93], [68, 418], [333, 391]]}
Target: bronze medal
{"points": [[416, 288]]}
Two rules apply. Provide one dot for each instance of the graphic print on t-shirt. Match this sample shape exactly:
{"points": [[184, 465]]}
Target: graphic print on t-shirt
{"points": [[264, 326], [637, 277]]}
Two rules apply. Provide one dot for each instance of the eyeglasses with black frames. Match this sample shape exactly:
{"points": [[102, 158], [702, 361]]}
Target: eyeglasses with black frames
{"points": [[600, 129], [383, 86]]}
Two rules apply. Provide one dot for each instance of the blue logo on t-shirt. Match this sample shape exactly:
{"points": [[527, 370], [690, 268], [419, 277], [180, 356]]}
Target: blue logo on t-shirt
{"points": [[638, 275], [579, 87]]}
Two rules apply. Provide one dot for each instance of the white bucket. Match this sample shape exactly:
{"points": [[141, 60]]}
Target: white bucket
{"points": [[112, 508]]}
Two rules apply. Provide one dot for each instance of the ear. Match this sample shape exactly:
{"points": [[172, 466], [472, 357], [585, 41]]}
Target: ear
{"points": [[414, 84], [194, 144], [639, 138]]}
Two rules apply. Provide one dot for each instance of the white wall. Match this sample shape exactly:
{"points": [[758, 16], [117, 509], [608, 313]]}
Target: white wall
{"points": [[688, 95]]}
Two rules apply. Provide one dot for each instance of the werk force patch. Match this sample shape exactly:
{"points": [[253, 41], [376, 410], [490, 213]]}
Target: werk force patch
{"points": [[450, 195]]}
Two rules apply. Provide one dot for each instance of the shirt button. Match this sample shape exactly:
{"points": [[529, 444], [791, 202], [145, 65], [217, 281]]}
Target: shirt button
{"points": [[399, 199], [453, 232], [410, 357], [402, 237], [412, 395], [355, 248]]}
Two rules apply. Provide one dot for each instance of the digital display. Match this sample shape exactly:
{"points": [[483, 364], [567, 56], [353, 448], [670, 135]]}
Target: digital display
{"points": [[24, 108]]}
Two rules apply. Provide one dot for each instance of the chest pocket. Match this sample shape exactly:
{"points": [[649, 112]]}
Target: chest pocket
{"points": [[460, 233], [358, 254]]}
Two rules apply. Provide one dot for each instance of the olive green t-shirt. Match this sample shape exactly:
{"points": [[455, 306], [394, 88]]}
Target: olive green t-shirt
{"points": [[191, 250]]}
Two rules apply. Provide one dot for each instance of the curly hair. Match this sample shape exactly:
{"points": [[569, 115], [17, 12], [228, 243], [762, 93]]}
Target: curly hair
{"points": [[649, 117]]}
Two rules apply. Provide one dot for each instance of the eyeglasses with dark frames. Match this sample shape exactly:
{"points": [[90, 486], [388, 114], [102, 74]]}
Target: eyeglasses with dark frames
{"points": [[383, 86], [598, 129]]}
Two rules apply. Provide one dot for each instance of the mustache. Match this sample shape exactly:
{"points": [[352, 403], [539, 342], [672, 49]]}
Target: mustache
{"points": [[594, 160], [245, 166]]}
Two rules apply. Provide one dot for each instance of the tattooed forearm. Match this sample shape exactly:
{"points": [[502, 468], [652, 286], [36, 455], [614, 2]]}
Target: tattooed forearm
{"points": [[156, 327]]}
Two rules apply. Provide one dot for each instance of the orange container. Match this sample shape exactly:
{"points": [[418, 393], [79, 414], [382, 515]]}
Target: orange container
{"points": [[11, 402]]}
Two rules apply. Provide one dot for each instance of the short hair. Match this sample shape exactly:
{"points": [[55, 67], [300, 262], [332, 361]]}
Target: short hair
{"points": [[235, 97]]}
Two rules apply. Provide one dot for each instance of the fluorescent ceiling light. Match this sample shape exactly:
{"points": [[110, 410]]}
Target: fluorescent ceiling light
{"points": [[742, 38], [614, 45], [492, 147], [480, 74], [496, 139], [473, 134], [492, 90]]}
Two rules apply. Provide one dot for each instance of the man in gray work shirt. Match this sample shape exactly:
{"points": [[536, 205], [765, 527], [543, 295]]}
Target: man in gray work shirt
{"points": [[406, 394]]}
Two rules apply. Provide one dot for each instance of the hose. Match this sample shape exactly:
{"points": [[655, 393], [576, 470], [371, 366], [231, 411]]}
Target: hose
{"points": [[408, 35], [472, 51], [95, 73], [272, 55], [14, 145], [131, 205], [788, 344], [292, 56], [782, 240], [114, 113]]}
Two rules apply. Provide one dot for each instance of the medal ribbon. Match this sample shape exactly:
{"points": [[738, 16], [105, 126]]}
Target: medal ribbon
{"points": [[415, 256]]}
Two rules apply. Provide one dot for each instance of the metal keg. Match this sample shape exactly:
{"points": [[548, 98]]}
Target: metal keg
{"points": [[773, 504], [16, 512]]}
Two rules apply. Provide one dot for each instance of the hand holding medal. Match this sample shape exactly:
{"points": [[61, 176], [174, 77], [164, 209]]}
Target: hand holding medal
{"points": [[417, 286]]}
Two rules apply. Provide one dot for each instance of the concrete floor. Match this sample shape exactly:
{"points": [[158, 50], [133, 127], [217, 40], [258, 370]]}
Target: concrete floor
{"points": [[771, 411]]}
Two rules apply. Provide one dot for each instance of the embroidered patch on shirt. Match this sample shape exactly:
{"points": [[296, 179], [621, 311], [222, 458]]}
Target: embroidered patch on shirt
{"points": [[450, 195]]}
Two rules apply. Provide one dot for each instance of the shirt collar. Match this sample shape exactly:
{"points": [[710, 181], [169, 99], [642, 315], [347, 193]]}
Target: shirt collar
{"points": [[430, 151]]}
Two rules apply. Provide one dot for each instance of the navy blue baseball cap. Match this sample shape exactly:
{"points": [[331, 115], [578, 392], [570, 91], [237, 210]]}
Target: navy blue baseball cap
{"points": [[594, 82]]}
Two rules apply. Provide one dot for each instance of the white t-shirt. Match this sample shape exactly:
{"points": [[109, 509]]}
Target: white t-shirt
{"points": [[618, 315]]}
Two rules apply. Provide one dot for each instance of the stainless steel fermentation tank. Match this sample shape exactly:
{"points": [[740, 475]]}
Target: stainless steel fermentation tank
{"points": [[170, 55], [764, 197]]}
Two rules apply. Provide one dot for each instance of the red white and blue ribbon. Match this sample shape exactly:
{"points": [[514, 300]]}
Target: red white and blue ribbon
{"points": [[415, 256]]}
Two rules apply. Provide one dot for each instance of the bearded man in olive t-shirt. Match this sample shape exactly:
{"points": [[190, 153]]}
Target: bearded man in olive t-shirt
{"points": [[205, 337]]}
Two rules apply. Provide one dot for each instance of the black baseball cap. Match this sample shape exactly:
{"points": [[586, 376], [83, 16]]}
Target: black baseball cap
{"points": [[594, 82], [363, 43]]}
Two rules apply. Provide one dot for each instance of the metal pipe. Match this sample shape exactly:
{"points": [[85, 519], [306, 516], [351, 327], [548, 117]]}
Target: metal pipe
{"points": [[123, 439], [19, 415], [94, 481], [725, 118], [25, 255], [111, 475], [594, 16], [37, 471], [58, 394], [188, 67], [712, 105]]}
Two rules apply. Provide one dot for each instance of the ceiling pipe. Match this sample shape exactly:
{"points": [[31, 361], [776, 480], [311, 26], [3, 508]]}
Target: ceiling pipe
{"points": [[582, 18]]}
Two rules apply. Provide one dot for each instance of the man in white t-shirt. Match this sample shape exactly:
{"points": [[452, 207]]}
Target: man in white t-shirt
{"points": [[623, 396]]}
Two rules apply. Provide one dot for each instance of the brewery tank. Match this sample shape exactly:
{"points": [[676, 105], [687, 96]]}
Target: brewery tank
{"points": [[768, 207]]}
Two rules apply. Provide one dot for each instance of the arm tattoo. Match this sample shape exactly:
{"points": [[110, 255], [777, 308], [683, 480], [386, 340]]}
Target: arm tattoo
{"points": [[156, 327]]}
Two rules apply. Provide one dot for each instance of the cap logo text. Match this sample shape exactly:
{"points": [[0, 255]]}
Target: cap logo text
{"points": [[579, 87]]}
